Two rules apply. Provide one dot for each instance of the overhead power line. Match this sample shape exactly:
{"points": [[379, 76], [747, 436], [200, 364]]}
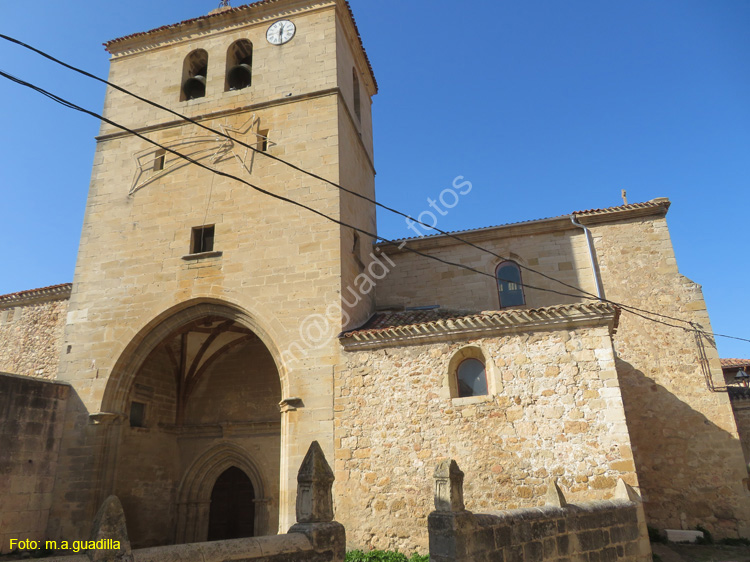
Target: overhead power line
{"points": [[287, 163], [76, 107], [634, 310], [453, 236]]}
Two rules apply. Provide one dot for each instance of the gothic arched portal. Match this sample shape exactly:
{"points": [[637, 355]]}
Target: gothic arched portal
{"points": [[232, 511], [201, 417]]}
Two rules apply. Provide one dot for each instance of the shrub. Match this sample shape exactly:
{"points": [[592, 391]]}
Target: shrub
{"points": [[655, 536], [735, 542], [707, 538]]}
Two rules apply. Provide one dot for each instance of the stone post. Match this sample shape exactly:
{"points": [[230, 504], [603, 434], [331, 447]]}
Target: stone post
{"points": [[314, 484], [449, 487], [450, 523], [110, 532], [628, 493], [315, 506], [555, 496]]}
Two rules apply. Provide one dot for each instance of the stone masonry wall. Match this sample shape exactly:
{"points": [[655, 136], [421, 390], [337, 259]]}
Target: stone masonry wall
{"points": [[279, 264], [32, 414], [31, 337], [687, 452], [554, 410], [596, 531]]}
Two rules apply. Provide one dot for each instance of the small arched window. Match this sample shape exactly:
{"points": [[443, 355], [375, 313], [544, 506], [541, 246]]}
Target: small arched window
{"points": [[471, 378], [194, 72], [509, 285], [357, 95], [239, 73]]}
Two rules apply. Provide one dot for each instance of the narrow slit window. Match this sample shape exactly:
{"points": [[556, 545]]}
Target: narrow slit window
{"points": [[263, 140], [159, 158], [202, 240], [137, 414], [509, 285], [357, 95]]}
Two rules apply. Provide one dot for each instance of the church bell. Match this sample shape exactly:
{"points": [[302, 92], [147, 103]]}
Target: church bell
{"points": [[239, 76], [195, 87]]}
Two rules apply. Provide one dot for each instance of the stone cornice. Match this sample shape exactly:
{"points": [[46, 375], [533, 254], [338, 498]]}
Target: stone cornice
{"points": [[239, 110], [224, 20], [263, 11], [486, 324], [45, 294]]}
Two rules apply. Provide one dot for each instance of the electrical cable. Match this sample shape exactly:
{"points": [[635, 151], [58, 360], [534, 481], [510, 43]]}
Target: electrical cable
{"points": [[587, 294], [628, 308], [71, 105], [287, 163]]}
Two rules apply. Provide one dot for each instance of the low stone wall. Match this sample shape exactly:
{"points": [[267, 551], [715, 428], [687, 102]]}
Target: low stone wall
{"points": [[316, 537], [31, 424], [599, 531]]}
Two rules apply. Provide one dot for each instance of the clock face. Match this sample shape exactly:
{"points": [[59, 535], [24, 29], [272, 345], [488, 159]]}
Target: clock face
{"points": [[281, 32]]}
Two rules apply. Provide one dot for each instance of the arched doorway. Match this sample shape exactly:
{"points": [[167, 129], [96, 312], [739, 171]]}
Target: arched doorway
{"points": [[203, 401], [232, 512]]}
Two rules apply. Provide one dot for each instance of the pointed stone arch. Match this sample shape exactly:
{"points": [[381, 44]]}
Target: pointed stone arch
{"points": [[194, 493], [151, 335]]}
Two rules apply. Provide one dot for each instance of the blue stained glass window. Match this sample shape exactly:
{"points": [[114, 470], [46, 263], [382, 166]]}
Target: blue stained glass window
{"points": [[509, 284]]}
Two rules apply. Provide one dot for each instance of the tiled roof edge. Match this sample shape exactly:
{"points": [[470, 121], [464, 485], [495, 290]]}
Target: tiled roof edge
{"points": [[596, 215], [659, 202], [733, 362], [485, 324], [53, 292]]}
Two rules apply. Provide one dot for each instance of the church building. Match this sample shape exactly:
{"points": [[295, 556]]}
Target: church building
{"points": [[214, 330]]}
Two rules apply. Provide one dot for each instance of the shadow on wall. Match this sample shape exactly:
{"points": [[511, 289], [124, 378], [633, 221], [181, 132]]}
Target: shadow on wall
{"points": [[76, 491], [672, 446]]}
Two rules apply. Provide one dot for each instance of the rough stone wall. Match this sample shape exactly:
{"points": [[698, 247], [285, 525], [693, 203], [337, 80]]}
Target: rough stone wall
{"points": [[687, 452], [31, 337], [606, 530], [554, 410], [31, 423]]}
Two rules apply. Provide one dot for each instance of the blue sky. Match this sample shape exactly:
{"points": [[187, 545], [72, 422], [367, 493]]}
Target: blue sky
{"points": [[548, 107]]}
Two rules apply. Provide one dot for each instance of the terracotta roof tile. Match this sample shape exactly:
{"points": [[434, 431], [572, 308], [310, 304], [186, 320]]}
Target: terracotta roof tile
{"points": [[731, 363], [385, 320], [61, 290], [382, 322], [628, 207], [238, 9]]}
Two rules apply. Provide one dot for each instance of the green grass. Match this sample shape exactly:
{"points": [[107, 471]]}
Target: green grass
{"points": [[383, 556]]}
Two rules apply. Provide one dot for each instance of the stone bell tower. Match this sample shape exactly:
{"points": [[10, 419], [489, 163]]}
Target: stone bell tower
{"points": [[201, 333]]}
